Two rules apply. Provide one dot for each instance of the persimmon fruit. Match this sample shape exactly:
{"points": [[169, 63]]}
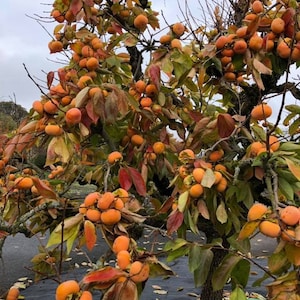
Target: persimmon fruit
{"points": [[111, 216], [66, 288], [120, 243], [93, 214], [73, 116], [278, 25], [91, 199], [13, 293], [196, 190], [256, 211], [140, 22], [114, 157], [270, 229], [159, 147], [178, 28], [105, 200], [123, 259], [261, 112], [139, 271], [53, 130], [290, 215]]}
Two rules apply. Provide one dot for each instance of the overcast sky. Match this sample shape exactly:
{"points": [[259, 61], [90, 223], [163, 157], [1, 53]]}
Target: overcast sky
{"points": [[24, 41]]}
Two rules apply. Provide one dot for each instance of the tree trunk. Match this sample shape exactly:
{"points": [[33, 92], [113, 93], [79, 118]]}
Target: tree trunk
{"points": [[207, 292]]}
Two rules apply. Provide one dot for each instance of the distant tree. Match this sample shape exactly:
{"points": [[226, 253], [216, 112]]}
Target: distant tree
{"points": [[15, 111], [7, 123]]}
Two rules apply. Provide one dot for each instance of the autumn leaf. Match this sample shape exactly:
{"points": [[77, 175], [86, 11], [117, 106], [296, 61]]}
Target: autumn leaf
{"points": [[43, 189], [166, 206], [225, 125], [293, 254], [203, 210], [174, 221], [221, 213], [90, 234], [104, 275], [261, 68], [182, 201], [248, 229], [76, 6], [154, 74], [62, 77], [138, 181], [295, 169], [125, 179], [122, 290], [50, 77], [289, 20], [3, 234]]}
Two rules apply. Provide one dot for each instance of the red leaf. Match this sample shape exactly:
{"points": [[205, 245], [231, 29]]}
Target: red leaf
{"points": [[3, 234], [89, 2], [10, 147], [43, 189], [76, 6], [125, 179], [288, 18], [91, 113], [225, 124], [62, 77], [174, 221], [104, 275], [117, 28], [154, 74], [166, 206], [90, 234], [50, 77], [122, 291], [138, 181]]}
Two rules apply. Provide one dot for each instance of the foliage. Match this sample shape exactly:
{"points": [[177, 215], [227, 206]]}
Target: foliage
{"points": [[200, 94], [16, 111]]}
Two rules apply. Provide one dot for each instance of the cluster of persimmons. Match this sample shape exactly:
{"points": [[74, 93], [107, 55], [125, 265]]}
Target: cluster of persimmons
{"points": [[98, 84]]}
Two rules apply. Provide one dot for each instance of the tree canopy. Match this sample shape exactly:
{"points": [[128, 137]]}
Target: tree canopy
{"points": [[171, 123]]}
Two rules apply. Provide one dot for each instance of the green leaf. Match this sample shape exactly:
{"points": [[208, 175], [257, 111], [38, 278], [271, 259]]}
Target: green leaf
{"points": [[158, 268], [194, 255], [289, 147], [293, 254], [191, 85], [182, 200], [243, 246], [278, 262], [66, 230], [200, 260], [294, 126], [192, 223], [259, 133], [224, 270], [221, 213], [177, 253], [293, 108], [237, 294], [286, 188], [175, 244], [241, 272]]}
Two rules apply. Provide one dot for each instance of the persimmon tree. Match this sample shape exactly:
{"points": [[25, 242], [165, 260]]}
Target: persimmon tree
{"points": [[172, 123]]}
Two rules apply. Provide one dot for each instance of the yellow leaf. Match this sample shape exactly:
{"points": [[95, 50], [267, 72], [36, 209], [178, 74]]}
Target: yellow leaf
{"points": [[248, 229], [295, 169]]}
